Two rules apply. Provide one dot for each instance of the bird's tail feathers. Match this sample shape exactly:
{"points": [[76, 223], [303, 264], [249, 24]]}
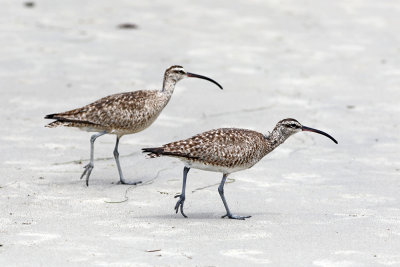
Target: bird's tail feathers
{"points": [[50, 116], [54, 124], [153, 152]]}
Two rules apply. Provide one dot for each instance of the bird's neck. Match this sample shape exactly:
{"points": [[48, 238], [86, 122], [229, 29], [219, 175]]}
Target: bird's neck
{"points": [[274, 139], [168, 86]]}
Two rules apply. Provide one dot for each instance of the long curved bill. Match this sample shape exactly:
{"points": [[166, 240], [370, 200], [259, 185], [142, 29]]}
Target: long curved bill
{"points": [[308, 129], [203, 77]]}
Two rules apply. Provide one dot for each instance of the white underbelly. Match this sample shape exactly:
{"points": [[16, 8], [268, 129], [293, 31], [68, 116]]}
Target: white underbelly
{"points": [[212, 168]]}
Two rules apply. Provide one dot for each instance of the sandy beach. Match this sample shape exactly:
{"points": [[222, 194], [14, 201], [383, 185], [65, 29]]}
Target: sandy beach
{"points": [[332, 65]]}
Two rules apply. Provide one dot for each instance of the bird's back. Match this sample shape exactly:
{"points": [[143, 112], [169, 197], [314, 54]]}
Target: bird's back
{"points": [[121, 113], [229, 148]]}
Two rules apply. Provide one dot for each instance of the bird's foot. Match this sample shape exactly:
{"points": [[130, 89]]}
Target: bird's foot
{"points": [[179, 204], [122, 181], [88, 170], [236, 217]]}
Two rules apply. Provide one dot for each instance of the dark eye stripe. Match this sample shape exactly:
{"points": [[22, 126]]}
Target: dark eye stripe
{"points": [[293, 125]]}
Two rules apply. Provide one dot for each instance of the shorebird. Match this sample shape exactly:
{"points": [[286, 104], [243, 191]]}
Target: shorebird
{"points": [[121, 114], [227, 150]]}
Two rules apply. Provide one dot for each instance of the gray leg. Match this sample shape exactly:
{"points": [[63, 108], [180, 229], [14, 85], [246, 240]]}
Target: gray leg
{"points": [[121, 176], [221, 193], [89, 167], [179, 204]]}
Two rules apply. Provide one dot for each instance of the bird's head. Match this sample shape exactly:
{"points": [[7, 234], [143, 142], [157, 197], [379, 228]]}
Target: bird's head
{"points": [[288, 127], [176, 73]]}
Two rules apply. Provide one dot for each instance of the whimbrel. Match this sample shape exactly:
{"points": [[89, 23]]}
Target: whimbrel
{"points": [[227, 150], [121, 114]]}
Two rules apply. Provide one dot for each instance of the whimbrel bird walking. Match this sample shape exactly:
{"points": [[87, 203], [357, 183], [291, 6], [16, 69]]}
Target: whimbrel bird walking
{"points": [[121, 114], [227, 150]]}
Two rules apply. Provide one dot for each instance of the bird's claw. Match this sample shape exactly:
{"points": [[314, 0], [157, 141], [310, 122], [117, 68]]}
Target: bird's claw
{"points": [[88, 170], [179, 204], [236, 217]]}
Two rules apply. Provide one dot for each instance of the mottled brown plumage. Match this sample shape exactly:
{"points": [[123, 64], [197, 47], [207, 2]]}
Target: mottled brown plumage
{"points": [[227, 150], [121, 114]]}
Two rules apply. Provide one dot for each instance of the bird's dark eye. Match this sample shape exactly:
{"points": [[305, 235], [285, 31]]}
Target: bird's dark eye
{"points": [[292, 125]]}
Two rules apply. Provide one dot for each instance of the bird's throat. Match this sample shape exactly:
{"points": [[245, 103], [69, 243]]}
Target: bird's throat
{"points": [[168, 86], [274, 139]]}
